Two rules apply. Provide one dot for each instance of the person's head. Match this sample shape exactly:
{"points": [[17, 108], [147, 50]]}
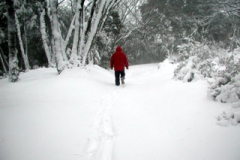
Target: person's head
{"points": [[119, 48]]}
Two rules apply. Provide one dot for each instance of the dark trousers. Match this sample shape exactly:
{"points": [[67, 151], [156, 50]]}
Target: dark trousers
{"points": [[117, 76]]}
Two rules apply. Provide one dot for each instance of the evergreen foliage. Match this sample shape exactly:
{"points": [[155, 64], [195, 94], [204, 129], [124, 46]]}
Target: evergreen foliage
{"points": [[106, 39]]}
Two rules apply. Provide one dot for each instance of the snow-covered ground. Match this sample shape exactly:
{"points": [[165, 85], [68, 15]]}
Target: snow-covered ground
{"points": [[82, 115]]}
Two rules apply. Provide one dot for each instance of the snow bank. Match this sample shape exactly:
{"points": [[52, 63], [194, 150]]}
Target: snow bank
{"points": [[227, 118], [81, 115]]}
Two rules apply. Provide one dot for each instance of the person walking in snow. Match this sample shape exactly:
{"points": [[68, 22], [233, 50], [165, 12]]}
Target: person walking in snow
{"points": [[119, 60]]}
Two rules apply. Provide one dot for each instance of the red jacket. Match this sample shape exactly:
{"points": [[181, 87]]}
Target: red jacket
{"points": [[119, 60]]}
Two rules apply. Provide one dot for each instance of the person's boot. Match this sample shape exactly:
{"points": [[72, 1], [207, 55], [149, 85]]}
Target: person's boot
{"points": [[122, 79]]}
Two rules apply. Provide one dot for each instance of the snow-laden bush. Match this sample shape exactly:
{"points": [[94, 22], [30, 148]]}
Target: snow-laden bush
{"points": [[226, 86], [194, 48], [200, 60], [220, 67], [196, 62], [206, 68], [186, 71], [227, 118], [226, 89]]}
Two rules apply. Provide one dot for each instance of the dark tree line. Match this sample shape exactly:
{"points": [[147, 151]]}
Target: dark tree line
{"points": [[167, 24]]}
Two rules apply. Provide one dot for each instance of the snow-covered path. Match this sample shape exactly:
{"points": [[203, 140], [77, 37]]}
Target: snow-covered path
{"points": [[100, 142], [167, 119], [81, 115], [156, 118]]}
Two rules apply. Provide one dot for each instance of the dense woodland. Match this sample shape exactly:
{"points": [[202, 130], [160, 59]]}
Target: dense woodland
{"points": [[68, 33]]}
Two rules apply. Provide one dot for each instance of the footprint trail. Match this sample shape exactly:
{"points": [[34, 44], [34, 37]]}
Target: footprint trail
{"points": [[100, 142]]}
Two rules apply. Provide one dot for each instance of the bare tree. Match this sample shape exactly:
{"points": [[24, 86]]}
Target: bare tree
{"points": [[74, 58], [24, 55], [57, 37], [99, 10], [86, 22], [45, 37], [12, 42]]}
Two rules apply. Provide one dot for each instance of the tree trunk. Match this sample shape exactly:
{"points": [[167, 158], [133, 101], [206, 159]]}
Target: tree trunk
{"points": [[62, 45], [82, 31], [4, 58], [98, 13], [24, 56], [45, 38], [1, 58], [74, 57], [57, 38], [51, 37], [69, 33], [12, 42]]}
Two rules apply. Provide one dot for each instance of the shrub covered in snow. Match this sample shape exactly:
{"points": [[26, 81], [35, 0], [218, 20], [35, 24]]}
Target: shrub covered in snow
{"points": [[187, 71], [226, 89], [206, 68], [220, 67], [194, 48], [226, 86], [227, 118], [195, 61]]}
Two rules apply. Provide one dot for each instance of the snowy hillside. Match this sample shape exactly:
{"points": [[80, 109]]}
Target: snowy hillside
{"points": [[82, 115]]}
